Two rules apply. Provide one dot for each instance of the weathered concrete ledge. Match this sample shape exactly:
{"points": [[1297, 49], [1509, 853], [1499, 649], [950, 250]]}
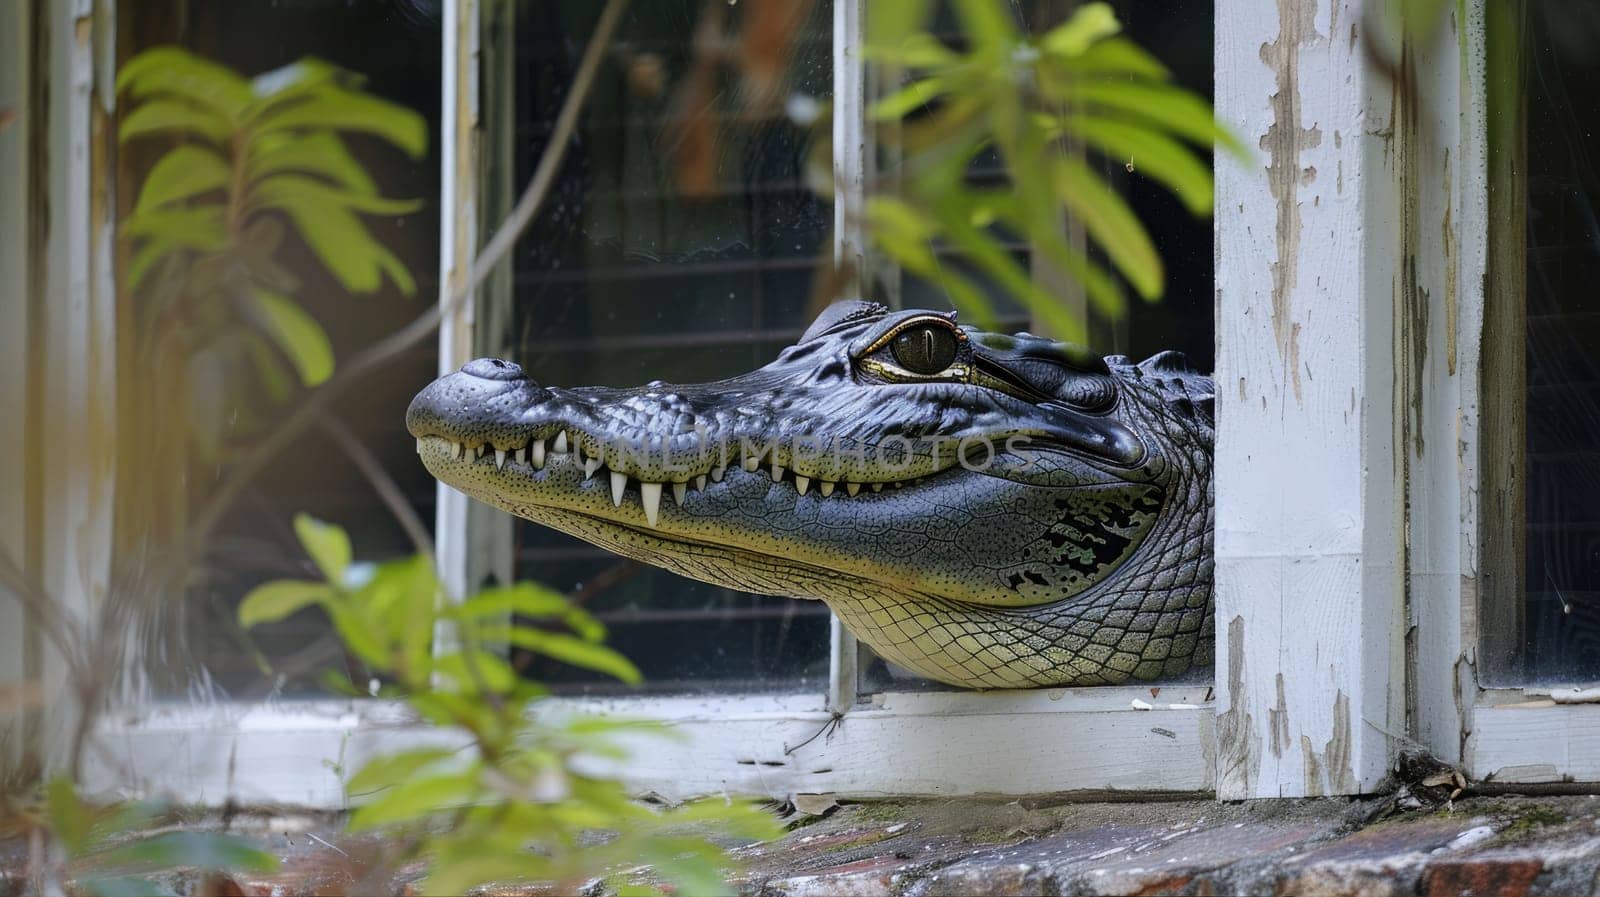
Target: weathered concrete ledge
{"points": [[1480, 846]]}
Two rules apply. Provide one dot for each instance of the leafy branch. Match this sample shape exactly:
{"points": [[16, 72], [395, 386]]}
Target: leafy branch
{"points": [[1043, 103], [254, 156], [518, 801]]}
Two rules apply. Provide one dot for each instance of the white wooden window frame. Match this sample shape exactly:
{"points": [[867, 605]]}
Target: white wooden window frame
{"points": [[1351, 472]]}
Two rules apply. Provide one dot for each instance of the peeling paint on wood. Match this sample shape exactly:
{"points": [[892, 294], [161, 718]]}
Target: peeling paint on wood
{"points": [[1238, 744], [1306, 327], [1284, 141]]}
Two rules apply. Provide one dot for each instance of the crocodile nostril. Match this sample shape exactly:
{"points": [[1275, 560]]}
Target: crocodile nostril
{"points": [[493, 369]]}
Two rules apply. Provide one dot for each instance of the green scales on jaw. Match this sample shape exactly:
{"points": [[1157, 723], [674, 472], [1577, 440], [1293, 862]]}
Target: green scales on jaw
{"points": [[987, 510]]}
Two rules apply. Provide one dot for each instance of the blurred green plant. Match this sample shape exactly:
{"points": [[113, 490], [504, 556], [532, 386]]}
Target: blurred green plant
{"points": [[208, 224], [106, 849], [521, 797], [1044, 103]]}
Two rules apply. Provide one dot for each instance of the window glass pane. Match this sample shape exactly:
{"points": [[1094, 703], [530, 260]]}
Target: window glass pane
{"points": [[202, 387], [1561, 624], [1180, 35], [680, 243]]}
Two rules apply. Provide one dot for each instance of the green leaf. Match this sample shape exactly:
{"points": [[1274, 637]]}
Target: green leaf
{"points": [[284, 190], [295, 80], [417, 798], [389, 771], [330, 107], [1111, 223], [296, 333], [998, 263], [497, 676], [1091, 22], [568, 649], [529, 599], [175, 73], [198, 227], [891, 21], [401, 602], [1114, 56], [1151, 154], [328, 546], [908, 99], [344, 244], [319, 152], [356, 631], [919, 51], [70, 820], [1169, 108], [989, 25], [461, 871], [206, 850], [157, 117], [273, 601]]}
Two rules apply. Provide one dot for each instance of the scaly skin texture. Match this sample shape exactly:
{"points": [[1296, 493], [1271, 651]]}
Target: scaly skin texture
{"points": [[987, 510]]}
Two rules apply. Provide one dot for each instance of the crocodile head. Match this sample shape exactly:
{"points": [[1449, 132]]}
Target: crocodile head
{"points": [[985, 509]]}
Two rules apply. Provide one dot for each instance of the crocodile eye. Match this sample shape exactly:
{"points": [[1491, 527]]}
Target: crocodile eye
{"points": [[927, 350]]}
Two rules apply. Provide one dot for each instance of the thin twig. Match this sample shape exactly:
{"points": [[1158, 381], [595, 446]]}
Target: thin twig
{"points": [[34, 597], [393, 345], [382, 483]]}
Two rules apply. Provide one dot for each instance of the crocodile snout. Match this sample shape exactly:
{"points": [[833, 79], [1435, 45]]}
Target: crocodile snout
{"points": [[481, 403]]}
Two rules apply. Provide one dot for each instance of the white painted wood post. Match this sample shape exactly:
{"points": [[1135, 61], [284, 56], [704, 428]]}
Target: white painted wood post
{"points": [[850, 151], [76, 309], [16, 200], [1310, 623], [458, 243], [1442, 330]]}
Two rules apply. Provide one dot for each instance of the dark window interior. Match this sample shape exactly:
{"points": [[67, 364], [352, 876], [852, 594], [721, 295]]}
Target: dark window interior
{"points": [[1561, 634], [652, 262]]}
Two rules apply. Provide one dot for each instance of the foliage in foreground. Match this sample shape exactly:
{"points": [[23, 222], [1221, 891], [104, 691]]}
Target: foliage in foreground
{"points": [[507, 794], [1045, 104], [105, 847]]}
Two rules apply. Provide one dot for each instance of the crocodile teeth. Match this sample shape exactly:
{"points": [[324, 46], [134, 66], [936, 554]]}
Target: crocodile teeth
{"points": [[679, 490], [479, 450], [852, 488], [877, 487], [419, 446], [717, 472], [560, 447], [777, 471], [522, 455], [750, 463], [500, 458], [619, 482], [538, 453], [826, 487], [456, 449], [650, 494], [801, 484], [700, 482], [590, 466]]}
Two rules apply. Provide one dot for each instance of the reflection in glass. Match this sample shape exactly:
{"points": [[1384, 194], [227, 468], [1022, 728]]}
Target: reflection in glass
{"points": [[680, 244]]}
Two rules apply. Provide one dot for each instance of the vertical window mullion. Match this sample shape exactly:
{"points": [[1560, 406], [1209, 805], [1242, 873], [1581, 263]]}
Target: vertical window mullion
{"points": [[850, 153], [458, 186]]}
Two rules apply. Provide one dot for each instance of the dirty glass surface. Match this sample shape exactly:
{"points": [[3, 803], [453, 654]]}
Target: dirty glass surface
{"points": [[191, 640], [680, 243], [1560, 638]]}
